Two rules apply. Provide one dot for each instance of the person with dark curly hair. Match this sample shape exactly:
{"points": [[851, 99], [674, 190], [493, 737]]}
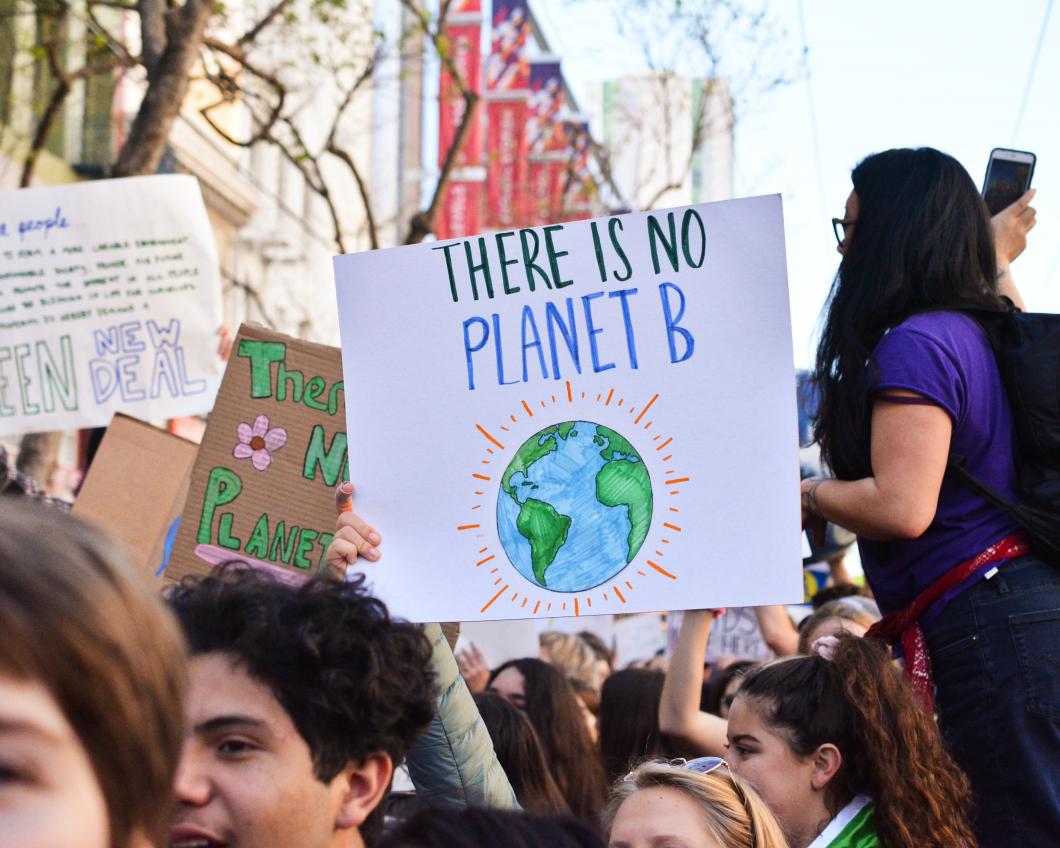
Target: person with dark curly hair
{"points": [[302, 700], [840, 749]]}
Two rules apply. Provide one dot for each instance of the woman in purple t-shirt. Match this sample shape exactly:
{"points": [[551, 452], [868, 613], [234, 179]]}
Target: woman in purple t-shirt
{"points": [[905, 381]]}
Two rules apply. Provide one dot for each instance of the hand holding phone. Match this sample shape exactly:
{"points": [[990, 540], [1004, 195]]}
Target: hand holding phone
{"points": [[1008, 177]]}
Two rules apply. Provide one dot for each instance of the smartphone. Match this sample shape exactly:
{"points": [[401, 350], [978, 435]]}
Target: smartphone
{"points": [[1008, 176]]}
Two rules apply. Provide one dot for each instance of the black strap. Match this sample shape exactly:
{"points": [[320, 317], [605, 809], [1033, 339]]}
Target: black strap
{"points": [[955, 469]]}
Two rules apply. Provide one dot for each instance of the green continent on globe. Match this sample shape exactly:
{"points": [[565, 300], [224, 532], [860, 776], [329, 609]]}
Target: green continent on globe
{"points": [[616, 444], [531, 452], [546, 530], [624, 483]]}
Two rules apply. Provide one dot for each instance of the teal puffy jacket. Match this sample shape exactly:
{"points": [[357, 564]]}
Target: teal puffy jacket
{"points": [[453, 764]]}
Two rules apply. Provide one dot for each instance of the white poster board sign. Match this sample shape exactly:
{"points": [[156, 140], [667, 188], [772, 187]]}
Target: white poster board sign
{"points": [[579, 419], [109, 302], [639, 638], [738, 635], [500, 641]]}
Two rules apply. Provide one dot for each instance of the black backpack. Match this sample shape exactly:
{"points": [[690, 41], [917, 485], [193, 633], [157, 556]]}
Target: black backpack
{"points": [[1027, 348]]}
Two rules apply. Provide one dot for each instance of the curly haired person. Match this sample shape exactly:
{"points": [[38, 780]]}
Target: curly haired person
{"points": [[301, 701]]}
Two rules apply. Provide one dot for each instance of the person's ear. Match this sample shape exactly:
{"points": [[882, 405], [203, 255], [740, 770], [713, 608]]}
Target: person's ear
{"points": [[362, 788], [826, 762]]}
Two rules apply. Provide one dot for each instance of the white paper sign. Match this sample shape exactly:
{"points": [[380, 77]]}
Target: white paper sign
{"points": [[639, 638], [737, 634], [500, 641], [587, 418], [109, 302]]}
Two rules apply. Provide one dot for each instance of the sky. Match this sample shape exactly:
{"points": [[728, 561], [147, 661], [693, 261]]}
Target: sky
{"points": [[945, 74]]}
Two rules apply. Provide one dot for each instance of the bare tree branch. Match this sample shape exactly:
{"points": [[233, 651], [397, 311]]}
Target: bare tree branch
{"points": [[270, 16], [55, 102], [422, 223], [362, 189], [64, 83]]}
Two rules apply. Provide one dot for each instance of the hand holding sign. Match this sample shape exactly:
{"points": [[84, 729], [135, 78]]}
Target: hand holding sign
{"points": [[567, 416], [353, 538]]}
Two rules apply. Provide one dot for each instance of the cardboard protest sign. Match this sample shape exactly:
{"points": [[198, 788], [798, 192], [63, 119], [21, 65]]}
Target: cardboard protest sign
{"points": [[135, 488], [262, 491], [578, 419], [109, 301]]}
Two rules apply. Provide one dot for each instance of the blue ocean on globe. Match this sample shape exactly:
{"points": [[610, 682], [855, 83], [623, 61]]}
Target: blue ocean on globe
{"points": [[564, 488]]}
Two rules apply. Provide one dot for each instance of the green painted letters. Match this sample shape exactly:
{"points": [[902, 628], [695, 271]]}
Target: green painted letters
{"points": [[222, 487]]}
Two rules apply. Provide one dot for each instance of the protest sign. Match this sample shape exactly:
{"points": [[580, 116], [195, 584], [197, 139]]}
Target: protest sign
{"points": [[135, 488], [639, 638], [499, 641], [738, 634], [262, 491], [578, 419], [109, 301]]}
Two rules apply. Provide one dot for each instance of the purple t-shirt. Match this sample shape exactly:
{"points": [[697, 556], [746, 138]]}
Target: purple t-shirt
{"points": [[945, 356]]}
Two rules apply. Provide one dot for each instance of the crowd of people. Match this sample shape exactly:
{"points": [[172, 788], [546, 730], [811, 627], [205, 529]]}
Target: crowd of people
{"points": [[241, 711]]}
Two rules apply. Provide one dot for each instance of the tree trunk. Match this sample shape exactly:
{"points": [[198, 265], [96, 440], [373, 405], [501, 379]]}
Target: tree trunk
{"points": [[143, 149]]}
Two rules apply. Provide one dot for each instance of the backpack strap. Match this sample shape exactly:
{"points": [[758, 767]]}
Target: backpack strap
{"points": [[959, 473]]}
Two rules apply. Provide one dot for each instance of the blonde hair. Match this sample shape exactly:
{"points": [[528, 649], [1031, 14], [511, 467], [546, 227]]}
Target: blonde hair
{"points": [[841, 608], [573, 656], [732, 811]]}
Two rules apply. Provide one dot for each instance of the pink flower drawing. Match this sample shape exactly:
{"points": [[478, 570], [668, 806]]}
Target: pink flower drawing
{"points": [[259, 442]]}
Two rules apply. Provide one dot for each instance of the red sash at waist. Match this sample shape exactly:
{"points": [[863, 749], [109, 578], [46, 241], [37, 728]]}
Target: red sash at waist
{"points": [[903, 626]]}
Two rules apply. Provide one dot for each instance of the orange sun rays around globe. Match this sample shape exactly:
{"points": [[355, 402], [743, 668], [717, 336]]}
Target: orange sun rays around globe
{"points": [[502, 444]]}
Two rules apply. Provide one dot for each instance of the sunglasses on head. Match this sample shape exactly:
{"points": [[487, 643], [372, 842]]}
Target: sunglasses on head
{"points": [[703, 765]]}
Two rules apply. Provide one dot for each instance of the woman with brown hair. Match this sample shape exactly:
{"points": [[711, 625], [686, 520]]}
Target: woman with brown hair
{"points": [[693, 805], [629, 720], [549, 701], [91, 690], [519, 751], [844, 755]]}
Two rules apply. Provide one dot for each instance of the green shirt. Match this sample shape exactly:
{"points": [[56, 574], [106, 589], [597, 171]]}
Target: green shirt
{"points": [[853, 827]]}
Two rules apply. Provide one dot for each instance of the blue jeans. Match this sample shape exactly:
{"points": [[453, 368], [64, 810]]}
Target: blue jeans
{"points": [[995, 655]]}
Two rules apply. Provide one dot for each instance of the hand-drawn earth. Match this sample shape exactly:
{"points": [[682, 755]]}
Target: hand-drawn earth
{"points": [[574, 506]]}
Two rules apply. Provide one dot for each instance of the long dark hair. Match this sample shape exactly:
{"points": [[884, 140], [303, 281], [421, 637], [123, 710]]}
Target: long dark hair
{"points": [[552, 707], [629, 720], [521, 756], [891, 748], [436, 827], [922, 242]]}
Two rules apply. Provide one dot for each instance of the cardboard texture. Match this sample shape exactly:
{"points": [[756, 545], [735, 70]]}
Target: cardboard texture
{"points": [[262, 491], [136, 486]]}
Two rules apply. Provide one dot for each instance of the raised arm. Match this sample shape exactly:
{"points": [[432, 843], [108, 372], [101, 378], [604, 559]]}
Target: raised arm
{"points": [[679, 713], [1011, 226], [777, 630], [453, 764]]}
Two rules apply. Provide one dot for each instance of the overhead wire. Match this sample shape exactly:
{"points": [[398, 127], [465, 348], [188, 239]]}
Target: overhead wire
{"points": [[1033, 69]]}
